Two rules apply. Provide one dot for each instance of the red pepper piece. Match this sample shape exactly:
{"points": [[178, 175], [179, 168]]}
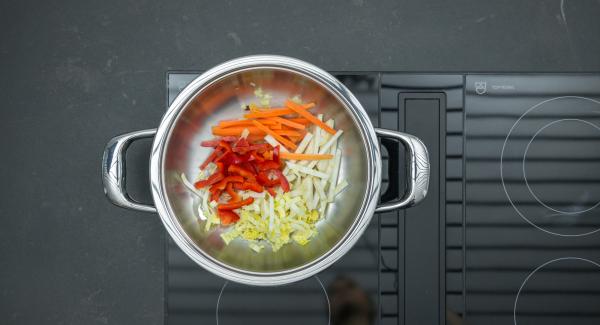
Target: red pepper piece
{"points": [[271, 191], [229, 138], [210, 158], [228, 217], [258, 147], [210, 143], [263, 179], [223, 183], [223, 157], [245, 186], [221, 167], [276, 154], [242, 143], [285, 185], [225, 145], [209, 181], [257, 157], [215, 142], [268, 165], [234, 196], [214, 195], [235, 205], [236, 169]]}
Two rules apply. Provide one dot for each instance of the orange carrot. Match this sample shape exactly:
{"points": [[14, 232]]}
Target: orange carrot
{"points": [[274, 126], [277, 111], [301, 156], [299, 120], [236, 123], [288, 133], [302, 112], [236, 131], [287, 122], [289, 144], [225, 124]]}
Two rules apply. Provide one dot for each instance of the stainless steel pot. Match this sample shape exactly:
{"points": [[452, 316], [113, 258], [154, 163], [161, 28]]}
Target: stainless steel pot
{"points": [[217, 95]]}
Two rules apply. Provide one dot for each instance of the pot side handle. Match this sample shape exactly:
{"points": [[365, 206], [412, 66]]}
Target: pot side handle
{"points": [[418, 173], [113, 170]]}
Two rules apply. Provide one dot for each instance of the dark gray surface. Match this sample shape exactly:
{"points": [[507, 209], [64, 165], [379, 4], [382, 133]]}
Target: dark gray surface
{"points": [[76, 73]]}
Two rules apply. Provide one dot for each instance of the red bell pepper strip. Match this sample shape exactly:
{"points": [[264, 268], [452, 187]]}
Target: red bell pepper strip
{"points": [[263, 179], [228, 217], [234, 196], [242, 143], [245, 186], [209, 181], [236, 169], [285, 185], [257, 157], [214, 195], [210, 158], [235, 205], [268, 165], [223, 183], [222, 157], [215, 142], [271, 191], [225, 145], [258, 147], [276, 154], [221, 167]]}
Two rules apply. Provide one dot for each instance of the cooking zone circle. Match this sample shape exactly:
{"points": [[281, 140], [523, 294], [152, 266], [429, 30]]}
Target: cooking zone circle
{"points": [[550, 166], [240, 304], [559, 290]]}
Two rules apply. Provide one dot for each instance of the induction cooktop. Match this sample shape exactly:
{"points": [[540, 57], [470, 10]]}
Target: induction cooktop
{"points": [[508, 234]]}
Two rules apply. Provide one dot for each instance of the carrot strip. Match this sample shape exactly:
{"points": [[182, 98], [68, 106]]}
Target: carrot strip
{"points": [[292, 133], [300, 156], [278, 111], [225, 124], [284, 141], [287, 122], [237, 131], [299, 120], [236, 123], [302, 112]]}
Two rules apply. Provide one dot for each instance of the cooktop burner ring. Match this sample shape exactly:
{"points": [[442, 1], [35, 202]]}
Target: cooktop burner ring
{"points": [[531, 191], [532, 273], [321, 285], [502, 167]]}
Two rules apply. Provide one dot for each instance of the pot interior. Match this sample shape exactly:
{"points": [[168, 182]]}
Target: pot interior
{"points": [[223, 99]]}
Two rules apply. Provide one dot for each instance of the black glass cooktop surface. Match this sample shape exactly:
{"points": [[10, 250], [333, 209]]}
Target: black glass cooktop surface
{"points": [[532, 193], [508, 234]]}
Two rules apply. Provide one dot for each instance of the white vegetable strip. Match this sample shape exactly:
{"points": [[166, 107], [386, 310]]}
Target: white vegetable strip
{"points": [[202, 212], [334, 175], [326, 147], [322, 165], [340, 187], [304, 143], [308, 171], [320, 190], [245, 133], [273, 142], [189, 185]]}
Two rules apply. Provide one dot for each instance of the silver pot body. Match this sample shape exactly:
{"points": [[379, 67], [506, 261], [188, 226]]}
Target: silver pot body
{"points": [[219, 94]]}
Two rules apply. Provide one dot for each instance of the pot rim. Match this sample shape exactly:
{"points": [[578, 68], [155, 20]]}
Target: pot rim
{"points": [[372, 186]]}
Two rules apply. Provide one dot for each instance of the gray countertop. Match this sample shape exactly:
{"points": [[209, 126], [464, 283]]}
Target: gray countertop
{"points": [[79, 72]]}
